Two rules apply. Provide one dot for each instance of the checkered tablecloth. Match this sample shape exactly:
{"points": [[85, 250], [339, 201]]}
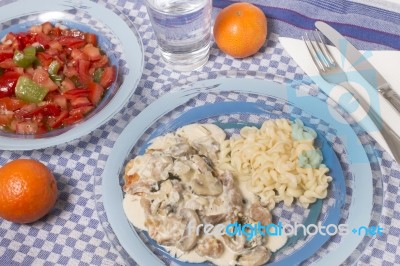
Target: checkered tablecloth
{"points": [[73, 233]]}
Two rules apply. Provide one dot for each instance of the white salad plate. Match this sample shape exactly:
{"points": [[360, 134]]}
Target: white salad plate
{"points": [[117, 37]]}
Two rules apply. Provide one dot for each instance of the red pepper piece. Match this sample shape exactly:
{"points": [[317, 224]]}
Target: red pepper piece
{"points": [[7, 83]]}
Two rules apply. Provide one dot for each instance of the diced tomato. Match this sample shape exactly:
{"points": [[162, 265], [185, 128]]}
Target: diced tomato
{"points": [[83, 67], [52, 52], [56, 31], [5, 55], [19, 70], [76, 93], [55, 45], [100, 63], [44, 58], [44, 110], [91, 38], [92, 52], [50, 109], [73, 119], [67, 85], [10, 37], [6, 118], [71, 41], [36, 29], [24, 39], [108, 76], [41, 77], [47, 27], [43, 39], [7, 49], [41, 129], [83, 70], [80, 102], [91, 71], [95, 92], [70, 71], [78, 54], [56, 122], [29, 70], [27, 127], [11, 103], [61, 101], [7, 83], [25, 110], [81, 110], [7, 63]]}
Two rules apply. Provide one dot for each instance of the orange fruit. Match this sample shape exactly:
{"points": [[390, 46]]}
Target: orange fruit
{"points": [[28, 191], [240, 30]]}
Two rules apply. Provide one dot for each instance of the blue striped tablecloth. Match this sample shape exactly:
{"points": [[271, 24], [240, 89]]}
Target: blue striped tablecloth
{"points": [[72, 234]]}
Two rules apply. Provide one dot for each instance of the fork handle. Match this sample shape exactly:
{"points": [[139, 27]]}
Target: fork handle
{"points": [[390, 95], [389, 135]]}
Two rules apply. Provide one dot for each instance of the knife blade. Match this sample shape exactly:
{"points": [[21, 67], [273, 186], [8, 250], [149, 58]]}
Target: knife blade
{"points": [[360, 63]]}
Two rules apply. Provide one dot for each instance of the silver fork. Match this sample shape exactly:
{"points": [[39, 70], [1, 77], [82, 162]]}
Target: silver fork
{"points": [[334, 74]]}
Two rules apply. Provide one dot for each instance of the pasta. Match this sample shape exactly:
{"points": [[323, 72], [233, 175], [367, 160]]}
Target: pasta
{"points": [[279, 161]]}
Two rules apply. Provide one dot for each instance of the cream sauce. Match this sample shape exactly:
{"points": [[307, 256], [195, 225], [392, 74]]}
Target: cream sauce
{"points": [[135, 213]]}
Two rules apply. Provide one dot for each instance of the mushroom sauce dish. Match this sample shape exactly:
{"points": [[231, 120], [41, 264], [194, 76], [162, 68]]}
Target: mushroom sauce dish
{"points": [[197, 176]]}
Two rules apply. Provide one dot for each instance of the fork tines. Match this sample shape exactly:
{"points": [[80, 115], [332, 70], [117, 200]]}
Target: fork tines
{"points": [[318, 50]]}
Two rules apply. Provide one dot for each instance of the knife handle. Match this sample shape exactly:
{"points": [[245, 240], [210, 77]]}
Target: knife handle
{"points": [[391, 96]]}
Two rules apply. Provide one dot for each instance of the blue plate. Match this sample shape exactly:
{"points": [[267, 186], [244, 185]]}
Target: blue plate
{"points": [[117, 37], [232, 103]]}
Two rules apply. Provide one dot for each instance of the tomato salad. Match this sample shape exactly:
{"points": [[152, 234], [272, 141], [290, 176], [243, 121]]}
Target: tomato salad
{"points": [[50, 77]]}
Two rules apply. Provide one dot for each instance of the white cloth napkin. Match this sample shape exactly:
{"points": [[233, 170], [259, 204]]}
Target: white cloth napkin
{"points": [[386, 62]]}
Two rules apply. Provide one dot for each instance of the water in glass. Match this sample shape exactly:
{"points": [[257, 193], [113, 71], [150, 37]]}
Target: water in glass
{"points": [[183, 31]]}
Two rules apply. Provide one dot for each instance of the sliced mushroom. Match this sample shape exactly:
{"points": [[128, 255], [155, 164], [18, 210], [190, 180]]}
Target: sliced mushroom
{"points": [[197, 203], [206, 185], [174, 197], [232, 195], [235, 243], [211, 247], [167, 231], [260, 214], [189, 237], [179, 150], [155, 205], [207, 147], [227, 180], [255, 241], [213, 218], [146, 205], [254, 257]]}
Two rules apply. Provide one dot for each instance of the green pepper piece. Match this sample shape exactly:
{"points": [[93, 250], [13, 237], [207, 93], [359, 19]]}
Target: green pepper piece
{"points": [[40, 49], [54, 67], [97, 74], [29, 91], [1, 71], [26, 58], [30, 51], [76, 81], [57, 77]]}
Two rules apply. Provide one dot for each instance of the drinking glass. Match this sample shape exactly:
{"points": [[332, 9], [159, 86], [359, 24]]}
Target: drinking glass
{"points": [[183, 31]]}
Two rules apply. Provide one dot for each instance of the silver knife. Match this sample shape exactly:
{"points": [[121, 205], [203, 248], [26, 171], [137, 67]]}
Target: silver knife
{"points": [[360, 63]]}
